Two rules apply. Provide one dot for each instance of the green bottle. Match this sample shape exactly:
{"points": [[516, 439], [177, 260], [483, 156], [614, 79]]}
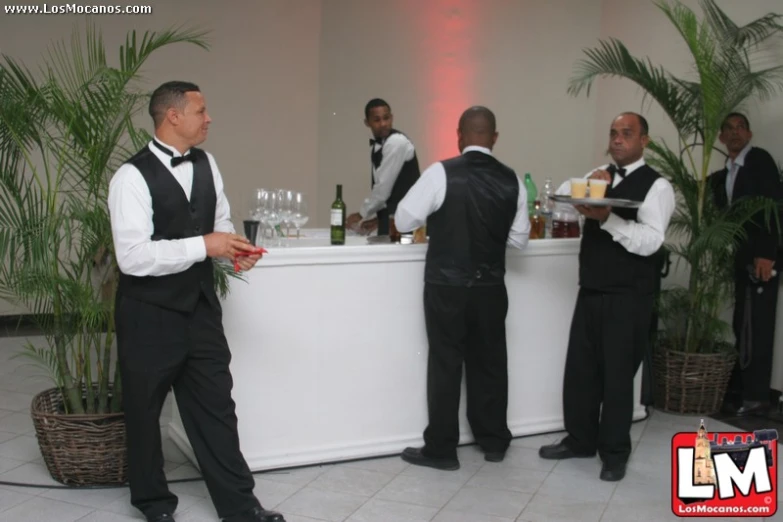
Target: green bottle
{"points": [[337, 218], [532, 194]]}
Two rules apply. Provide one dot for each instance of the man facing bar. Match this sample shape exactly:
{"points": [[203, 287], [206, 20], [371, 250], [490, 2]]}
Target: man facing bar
{"points": [[474, 206]]}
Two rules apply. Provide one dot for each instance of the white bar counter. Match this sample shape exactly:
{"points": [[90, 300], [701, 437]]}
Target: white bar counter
{"points": [[330, 350]]}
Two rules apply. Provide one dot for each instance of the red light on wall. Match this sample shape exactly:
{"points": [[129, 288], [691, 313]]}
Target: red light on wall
{"points": [[448, 69]]}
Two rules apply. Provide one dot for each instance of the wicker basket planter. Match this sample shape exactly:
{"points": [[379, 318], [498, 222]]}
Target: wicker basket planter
{"points": [[80, 450], [691, 383]]}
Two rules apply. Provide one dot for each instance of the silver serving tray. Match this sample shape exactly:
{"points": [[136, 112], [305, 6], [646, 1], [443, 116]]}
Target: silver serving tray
{"points": [[601, 202]]}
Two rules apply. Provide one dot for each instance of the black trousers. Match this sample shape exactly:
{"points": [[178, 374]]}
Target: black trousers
{"points": [[159, 349], [466, 326], [608, 338], [752, 383]]}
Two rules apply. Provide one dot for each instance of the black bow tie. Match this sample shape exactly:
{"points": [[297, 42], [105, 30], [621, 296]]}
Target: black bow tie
{"points": [[379, 141], [614, 170], [174, 161], [181, 159]]}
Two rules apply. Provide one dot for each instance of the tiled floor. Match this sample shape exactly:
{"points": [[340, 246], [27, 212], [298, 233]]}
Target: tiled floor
{"points": [[522, 488]]}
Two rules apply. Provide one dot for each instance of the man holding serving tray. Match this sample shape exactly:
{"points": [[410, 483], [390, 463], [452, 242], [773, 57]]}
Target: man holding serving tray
{"points": [[627, 214]]}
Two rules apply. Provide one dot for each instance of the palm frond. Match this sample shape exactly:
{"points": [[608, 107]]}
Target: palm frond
{"points": [[63, 132], [724, 78], [613, 59], [748, 36]]}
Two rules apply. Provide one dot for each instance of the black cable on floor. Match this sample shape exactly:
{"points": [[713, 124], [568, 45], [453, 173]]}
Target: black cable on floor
{"points": [[264, 472]]}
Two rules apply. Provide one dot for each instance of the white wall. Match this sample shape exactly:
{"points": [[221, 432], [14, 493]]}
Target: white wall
{"points": [[645, 30], [432, 60], [286, 82]]}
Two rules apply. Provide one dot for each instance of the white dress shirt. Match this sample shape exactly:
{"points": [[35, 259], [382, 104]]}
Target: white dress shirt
{"points": [[429, 192], [130, 209], [733, 167], [397, 149], [645, 235]]}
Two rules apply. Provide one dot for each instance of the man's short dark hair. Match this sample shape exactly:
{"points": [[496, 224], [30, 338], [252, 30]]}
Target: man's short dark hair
{"points": [[478, 120], [642, 122], [168, 95], [375, 102], [735, 115]]}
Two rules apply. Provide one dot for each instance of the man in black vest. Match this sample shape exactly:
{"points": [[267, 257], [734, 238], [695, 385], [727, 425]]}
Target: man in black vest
{"points": [[395, 168], [750, 172], [169, 218], [474, 207], [611, 322]]}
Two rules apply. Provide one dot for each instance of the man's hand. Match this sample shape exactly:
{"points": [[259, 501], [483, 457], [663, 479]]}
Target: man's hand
{"points": [[763, 268], [601, 174], [368, 226], [223, 244], [247, 262], [597, 213], [353, 220]]}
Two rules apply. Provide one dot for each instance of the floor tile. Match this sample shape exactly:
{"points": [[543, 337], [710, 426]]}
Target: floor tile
{"points": [[522, 488], [39, 508], [326, 505]]}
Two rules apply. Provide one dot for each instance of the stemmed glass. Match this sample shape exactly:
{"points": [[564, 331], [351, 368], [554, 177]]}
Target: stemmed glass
{"points": [[285, 199], [298, 215], [271, 211]]}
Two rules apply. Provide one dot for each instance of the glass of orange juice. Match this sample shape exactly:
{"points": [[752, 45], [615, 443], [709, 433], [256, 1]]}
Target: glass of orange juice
{"points": [[578, 188], [597, 188]]}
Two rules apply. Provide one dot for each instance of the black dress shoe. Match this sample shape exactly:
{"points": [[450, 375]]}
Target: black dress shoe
{"points": [[752, 408], [257, 514], [414, 456], [560, 451], [613, 473], [494, 456], [165, 517]]}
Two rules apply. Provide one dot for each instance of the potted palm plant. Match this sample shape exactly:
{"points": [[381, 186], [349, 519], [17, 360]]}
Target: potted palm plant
{"points": [[63, 133], [693, 356]]}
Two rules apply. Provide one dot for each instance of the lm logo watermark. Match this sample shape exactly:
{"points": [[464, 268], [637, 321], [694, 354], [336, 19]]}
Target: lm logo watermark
{"points": [[725, 474]]}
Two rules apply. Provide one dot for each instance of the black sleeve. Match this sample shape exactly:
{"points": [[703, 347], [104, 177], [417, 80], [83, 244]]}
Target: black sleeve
{"points": [[765, 237]]}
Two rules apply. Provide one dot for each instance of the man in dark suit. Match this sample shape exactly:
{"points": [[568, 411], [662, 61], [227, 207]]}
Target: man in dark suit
{"points": [[750, 172]]}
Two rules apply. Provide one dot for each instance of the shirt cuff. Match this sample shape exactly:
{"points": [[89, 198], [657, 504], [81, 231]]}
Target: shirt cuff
{"points": [[195, 249], [613, 224]]}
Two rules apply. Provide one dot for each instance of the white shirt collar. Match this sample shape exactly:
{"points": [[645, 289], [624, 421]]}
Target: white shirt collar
{"points": [[740, 159], [628, 168], [633, 166], [175, 153], [470, 148]]}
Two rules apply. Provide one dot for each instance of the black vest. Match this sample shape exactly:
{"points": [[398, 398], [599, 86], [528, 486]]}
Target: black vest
{"points": [[407, 177], [468, 233], [604, 264], [174, 217]]}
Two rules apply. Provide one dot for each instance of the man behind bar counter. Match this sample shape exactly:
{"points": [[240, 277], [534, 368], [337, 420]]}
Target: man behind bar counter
{"points": [[474, 206]]}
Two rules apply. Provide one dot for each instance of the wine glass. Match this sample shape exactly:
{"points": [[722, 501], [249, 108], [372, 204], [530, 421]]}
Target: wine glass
{"points": [[271, 211], [285, 200], [298, 214], [254, 203]]}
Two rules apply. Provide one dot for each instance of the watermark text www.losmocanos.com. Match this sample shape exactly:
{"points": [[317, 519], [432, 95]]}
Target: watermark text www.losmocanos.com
{"points": [[50, 9]]}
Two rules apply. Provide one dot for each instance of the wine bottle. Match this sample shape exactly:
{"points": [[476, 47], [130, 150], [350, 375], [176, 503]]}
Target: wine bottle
{"points": [[337, 218]]}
